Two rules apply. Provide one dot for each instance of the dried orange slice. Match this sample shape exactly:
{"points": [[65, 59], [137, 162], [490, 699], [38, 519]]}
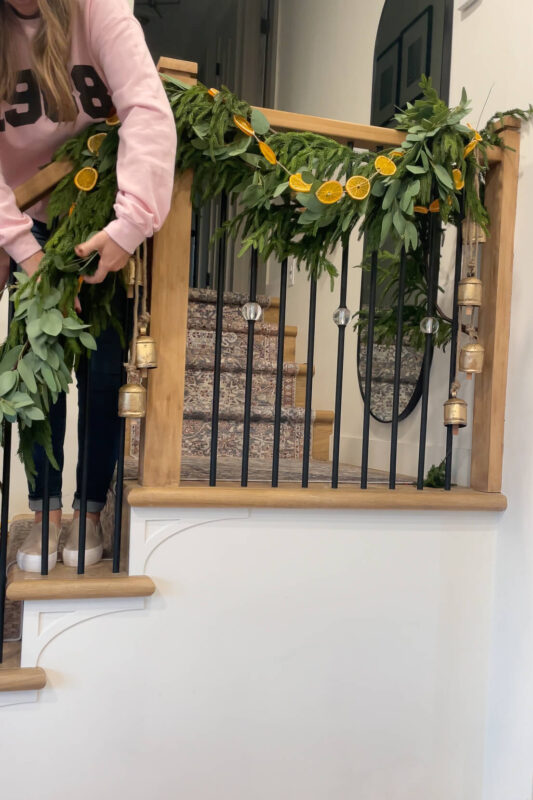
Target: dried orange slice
{"points": [[397, 154], [385, 166], [421, 210], [330, 192], [213, 92], [458, 179], [297, 183], [470, 146], [243, 125], [358, 187], [86, 178], [113, 120], [268, 153], [477, 136], [435, 207], [94, 142]]}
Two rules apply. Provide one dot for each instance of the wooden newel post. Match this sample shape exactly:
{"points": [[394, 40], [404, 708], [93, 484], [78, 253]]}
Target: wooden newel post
{"points": [[495, 315], [160, 456]]}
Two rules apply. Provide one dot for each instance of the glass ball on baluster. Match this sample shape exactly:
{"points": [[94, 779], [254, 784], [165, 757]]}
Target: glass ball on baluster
{"points": [[252, 312], [342, 316], [429, 325]]}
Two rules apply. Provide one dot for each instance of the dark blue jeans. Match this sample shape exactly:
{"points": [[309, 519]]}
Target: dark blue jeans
{"points": [[103, 372]]}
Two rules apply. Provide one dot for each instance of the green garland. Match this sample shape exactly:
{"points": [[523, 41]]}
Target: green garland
{"points": [[258, 166]]}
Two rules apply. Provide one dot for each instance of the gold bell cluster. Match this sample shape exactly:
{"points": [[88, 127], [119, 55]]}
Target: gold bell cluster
{"points": [[143, 350], [471, 354], [132, 396]]}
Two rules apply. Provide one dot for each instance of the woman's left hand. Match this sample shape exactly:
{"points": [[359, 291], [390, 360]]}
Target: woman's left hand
{"points": [[112, 257]]}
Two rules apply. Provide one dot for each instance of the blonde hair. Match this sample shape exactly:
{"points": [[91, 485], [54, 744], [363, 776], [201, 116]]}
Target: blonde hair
{"points": [[50, 56]]}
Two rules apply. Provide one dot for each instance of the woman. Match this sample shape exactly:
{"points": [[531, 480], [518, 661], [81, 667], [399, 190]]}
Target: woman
{"points": [[64, 65]]}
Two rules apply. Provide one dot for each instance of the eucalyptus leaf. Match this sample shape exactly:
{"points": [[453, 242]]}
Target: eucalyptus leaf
{"points": [[26, 373], [10, 358], [260, 124], [21, 400], [52, 322], [7, 382], [443, 176], [48, 375], [88, 340], [282, 187], [51, 299], [34, 414]]}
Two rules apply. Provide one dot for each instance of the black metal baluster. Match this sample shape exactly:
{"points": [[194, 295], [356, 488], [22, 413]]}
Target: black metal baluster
{"points": [[119, 491], [309, 382], [249, 376], [84, 470], [453, 349], [195, 236], [342, 319], [221, 280], [432, 283], [4, 513], [45, 526], [397, 372], [4, 524], [279, 373], [368, 371]]}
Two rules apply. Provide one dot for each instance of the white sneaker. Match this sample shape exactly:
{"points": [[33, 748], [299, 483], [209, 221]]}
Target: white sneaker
{"points": [[29, 554], [94, 544]]}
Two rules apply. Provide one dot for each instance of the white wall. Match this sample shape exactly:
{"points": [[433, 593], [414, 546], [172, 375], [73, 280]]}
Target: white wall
{"points": [[286, 654], [506, 28]]}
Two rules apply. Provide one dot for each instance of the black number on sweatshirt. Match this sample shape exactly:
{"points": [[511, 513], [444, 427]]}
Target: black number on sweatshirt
{"points": [[29, 97], [94, 97]]}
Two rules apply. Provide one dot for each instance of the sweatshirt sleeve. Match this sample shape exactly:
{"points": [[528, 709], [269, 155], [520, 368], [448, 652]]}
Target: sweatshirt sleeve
{"points": [[16, 237], [147, 148]]}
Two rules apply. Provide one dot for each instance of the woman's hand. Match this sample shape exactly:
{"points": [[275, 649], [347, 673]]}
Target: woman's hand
{"points": [[31, 265], [112, 257]]}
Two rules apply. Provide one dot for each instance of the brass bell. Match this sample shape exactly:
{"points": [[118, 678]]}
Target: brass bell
{"points": [[132, 401], [470, 294], [455, 413], [145, 351], [471, 359], [473, 233]]}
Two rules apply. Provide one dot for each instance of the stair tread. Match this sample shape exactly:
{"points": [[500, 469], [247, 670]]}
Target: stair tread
{"points": [[64, 582], [290, 471], [13, 677], [259, 413], [230, 298]]}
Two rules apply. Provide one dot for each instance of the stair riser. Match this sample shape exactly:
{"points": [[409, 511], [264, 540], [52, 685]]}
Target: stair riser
{"points": [[203, 315], [234, 345], [199, 388], [197, 439]]}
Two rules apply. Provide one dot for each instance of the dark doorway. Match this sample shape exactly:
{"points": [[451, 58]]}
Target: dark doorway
{"points": [[232, 41], [414, 38]]}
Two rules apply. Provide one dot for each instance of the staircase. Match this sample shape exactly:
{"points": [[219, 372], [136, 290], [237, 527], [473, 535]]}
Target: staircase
{"points": [[199, 392]]}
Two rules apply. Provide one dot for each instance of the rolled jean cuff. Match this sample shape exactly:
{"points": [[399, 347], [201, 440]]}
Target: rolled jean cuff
{"points": [[36, 503], [93, 506]]}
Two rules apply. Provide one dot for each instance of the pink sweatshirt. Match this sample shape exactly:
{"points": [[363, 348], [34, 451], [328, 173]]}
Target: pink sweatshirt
{"points": [[110, 65]]}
